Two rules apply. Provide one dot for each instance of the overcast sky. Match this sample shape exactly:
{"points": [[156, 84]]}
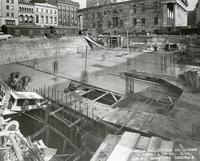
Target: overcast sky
{"points": [[192, 3]]}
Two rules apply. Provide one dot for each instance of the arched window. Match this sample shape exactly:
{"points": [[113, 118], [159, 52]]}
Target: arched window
{"points": [[31, 19], [26, 19], [21, 19]]}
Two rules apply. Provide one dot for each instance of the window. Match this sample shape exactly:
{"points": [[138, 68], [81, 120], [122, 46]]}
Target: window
{"points": [[51, 19], [156, 21], [37, 19], [7, 14], [105, 12], [12, 1], [36, 9], [121, 23], [12, 7], [115, 21], [55, 20], [7, 1], [93, 25], [10, 22], [7, 7], [134, 9], [42, 19], [134, 21], [20, 102], [99, 24], [26, 19], [12, 15], [143, 7], [51, 11], [42, 10], [21, 18], [109, 24], [93, 15], [155, 4], [47, 20], [55, 12], [143, 22], [47, 11], [31, 19]]}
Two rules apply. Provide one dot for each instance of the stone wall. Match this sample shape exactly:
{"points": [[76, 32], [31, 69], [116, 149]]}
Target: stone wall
{"points": [[21, 49]]}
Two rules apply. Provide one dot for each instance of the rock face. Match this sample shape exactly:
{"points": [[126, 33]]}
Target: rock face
{"points": [[21, 49], [190, 79]]}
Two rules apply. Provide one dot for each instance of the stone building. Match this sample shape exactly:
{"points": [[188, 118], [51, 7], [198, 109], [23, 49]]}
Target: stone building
{"points": [[67, 12], [93, 3], [46, 14], [9, 12], [134, 16], [26, 13]]}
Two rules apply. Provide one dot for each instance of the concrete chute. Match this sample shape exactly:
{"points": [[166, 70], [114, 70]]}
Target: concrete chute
{"points": [[92, 42]]}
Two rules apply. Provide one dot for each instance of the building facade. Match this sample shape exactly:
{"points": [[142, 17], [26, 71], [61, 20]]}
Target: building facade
{"points": [[9, 12], [26, 13], [46, 14], [198, 13], [93, 3], [67, 12], [135, 16]]}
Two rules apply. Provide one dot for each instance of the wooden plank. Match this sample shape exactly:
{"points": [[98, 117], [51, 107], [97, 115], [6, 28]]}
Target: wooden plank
{"points": [[106, 148], [143, 143], [124, 147], [16, 148], [63, 136], [37, 133], [167, 146], [154, 144]]}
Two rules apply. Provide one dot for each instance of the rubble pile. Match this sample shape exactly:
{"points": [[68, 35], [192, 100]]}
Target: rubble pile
{"points": [[15, 147]]}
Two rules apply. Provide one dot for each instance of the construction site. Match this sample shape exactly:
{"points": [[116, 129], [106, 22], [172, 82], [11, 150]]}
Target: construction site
{"points": [[76, 100]]}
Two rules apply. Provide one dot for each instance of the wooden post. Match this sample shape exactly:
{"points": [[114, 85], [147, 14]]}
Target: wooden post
{"points": [[87, 109], [75, 104], [64, 147], [44, 91], [61, 97], [52, 93], [46, 121]]}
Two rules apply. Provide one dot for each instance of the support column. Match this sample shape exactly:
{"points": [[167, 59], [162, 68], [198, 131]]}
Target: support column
{"points": [[129, 91], [165, 15]]}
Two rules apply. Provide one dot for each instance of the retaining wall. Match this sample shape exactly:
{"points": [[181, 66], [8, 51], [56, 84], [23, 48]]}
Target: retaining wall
{"points": [[21, 49]]}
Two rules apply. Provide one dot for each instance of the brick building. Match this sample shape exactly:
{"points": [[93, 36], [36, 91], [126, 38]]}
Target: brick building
{"points": [[9, 12], [134, 16], [26, 12], [67, 12]]}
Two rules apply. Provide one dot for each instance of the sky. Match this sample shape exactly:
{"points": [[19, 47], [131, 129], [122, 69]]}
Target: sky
{"points": [[192, 3]]}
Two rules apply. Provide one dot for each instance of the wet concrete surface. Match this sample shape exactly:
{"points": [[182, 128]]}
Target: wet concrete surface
{"points": [[100, 66]]}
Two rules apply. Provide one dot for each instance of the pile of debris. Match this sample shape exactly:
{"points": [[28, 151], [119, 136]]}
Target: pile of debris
{"points": [[15, 147]]}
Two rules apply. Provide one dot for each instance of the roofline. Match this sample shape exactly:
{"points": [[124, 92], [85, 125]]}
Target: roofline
{"points": [[70, 2], [43, 4]]}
